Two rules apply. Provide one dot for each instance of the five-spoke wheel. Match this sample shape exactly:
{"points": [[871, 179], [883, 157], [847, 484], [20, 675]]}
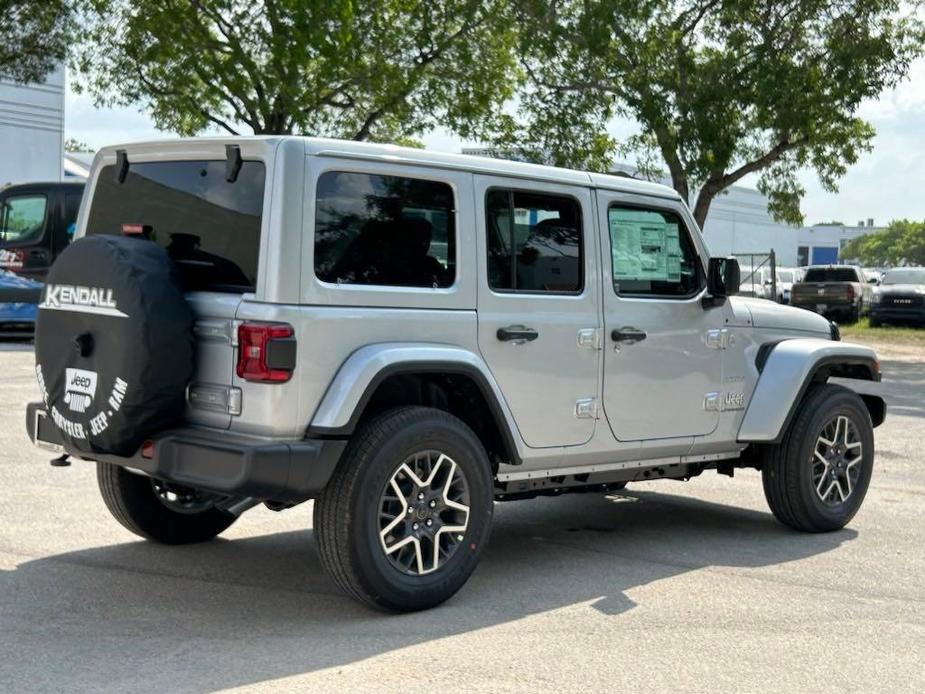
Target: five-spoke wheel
{"points": [[837, 460], [424, 512]]}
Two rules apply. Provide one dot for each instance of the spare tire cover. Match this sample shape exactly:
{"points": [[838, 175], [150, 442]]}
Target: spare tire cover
{"points": [[113, 344]]}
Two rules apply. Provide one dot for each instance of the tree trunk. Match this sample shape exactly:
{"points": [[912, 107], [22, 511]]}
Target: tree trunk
{"points": [[702, 208], [679, 183]]}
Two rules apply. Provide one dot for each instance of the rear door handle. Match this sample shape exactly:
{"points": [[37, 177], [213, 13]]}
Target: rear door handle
{"points": [[628, 335], [517, 333]]}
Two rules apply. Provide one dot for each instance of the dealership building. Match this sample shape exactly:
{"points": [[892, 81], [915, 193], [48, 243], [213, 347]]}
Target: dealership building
{"points": [[821, 244], [32, 130]]}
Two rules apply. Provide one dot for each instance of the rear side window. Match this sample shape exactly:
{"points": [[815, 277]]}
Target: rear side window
{"points": [[534, 242], [384, 230], [22, 218], [831, 274], [210, 227]]}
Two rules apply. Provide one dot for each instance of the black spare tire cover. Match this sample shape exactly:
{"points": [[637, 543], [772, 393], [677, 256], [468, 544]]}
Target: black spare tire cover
{"points": [[113, 344]]}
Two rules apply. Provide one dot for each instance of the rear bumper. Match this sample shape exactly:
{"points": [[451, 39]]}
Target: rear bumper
{"points": [[219, 461]]}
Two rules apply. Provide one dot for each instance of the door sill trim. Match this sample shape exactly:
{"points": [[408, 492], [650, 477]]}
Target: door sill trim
{"points": [[608, 467]]}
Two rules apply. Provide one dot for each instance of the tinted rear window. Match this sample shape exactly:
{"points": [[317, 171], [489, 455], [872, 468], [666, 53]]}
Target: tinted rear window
{"points": [[831, 274], [209, 227], [384, 230], [534, 242]]}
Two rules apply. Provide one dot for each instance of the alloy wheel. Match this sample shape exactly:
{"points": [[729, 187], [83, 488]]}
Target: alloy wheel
{"points": [[424, 513], [837, 461]]}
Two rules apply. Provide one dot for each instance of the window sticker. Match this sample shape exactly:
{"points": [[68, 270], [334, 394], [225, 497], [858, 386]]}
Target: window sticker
{"points": [[645, 251]]}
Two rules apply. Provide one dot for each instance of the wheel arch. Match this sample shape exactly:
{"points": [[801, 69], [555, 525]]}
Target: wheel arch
{"points": [[396, 374], [788, 368]]}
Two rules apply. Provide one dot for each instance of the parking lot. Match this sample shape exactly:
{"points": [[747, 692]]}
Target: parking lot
{"points": [[668, 586]]}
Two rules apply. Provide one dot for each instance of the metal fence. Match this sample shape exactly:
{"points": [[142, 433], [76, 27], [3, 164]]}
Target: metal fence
{"points": [[759, 274]]}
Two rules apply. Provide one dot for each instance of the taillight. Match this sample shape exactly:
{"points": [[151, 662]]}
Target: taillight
{"points": [[266, 352]]}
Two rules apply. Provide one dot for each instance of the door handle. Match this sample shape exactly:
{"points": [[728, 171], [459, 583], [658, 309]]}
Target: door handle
{"points": [[628, 335], [517, 333]]}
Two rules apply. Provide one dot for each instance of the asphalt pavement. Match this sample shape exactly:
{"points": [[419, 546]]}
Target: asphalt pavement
{"points": [[667, 586]]}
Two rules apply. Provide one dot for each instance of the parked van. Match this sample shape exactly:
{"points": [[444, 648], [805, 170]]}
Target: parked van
{"points": [[37, 221]]}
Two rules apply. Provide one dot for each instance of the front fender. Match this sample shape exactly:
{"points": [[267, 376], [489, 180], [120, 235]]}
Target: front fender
{"points": [[788, 369], [366, 368]]}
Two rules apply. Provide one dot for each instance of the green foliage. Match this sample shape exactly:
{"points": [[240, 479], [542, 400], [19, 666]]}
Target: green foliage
{"points": [[902, 242], [34, 36], [74, 145], [721, 88], [386, 70]]}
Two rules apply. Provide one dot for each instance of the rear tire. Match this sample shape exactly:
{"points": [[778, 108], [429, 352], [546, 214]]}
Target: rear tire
{"points": [[386, 539], [809, 484], [136, 502]]}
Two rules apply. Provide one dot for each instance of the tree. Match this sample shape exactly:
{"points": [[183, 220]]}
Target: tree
{"points": [[34, 37], [366, 70], [902, 242], [74, 145], [720, 88]]}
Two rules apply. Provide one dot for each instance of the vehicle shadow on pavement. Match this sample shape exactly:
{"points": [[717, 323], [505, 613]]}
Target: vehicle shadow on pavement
{"points": [[140, 616]]}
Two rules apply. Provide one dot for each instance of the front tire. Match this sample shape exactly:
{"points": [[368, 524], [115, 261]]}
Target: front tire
{"points": [[403, 520], [816, 478], [158, 511]]}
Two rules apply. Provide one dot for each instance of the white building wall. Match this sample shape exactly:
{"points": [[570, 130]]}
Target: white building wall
{"points": [[32, 130], [829, 238], [739, 222]]}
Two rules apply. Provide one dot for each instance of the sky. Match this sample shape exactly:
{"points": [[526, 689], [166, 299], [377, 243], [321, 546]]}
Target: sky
{"points": [[887, 183]]}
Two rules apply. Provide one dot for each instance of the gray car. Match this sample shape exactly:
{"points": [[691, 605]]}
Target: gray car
{"points": [[408, 337]]}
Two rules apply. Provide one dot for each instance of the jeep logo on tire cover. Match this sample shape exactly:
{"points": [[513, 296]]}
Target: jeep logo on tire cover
{"points": [[80, 389]]}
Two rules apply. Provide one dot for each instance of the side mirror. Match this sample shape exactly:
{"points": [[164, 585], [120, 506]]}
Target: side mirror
{"points": [[723, 277]]}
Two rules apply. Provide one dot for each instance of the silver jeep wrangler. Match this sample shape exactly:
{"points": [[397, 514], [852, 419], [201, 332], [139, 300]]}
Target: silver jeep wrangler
{"points": [[406, 337]]}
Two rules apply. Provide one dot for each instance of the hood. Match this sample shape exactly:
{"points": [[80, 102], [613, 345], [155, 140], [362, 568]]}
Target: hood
{"points": [[901, 289], [769, 314]]}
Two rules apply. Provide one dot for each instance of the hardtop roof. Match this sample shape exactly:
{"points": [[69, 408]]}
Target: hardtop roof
{"points": [[317, 146]]}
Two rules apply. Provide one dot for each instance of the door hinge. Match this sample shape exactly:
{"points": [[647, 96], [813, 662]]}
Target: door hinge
{"points": [[590, 338], [719, 338], [586, 408]]}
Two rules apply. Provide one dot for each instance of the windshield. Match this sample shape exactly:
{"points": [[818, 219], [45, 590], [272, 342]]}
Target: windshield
{"points": [[831, 274], [209, 226], [785, 276], [22, 218], [905, 276]]}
